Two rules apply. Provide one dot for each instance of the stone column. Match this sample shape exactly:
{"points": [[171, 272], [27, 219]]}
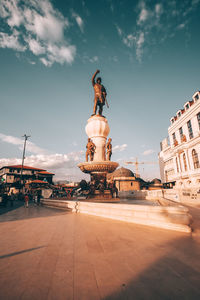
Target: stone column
{"points": [[187, 159], [97, 129]]}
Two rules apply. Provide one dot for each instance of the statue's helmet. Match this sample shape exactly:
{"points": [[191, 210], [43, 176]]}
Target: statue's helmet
{"points": [[98, 79]]}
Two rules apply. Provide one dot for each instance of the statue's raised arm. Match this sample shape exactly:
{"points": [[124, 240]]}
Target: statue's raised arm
{"points": [[93, 77], [99, 94]]}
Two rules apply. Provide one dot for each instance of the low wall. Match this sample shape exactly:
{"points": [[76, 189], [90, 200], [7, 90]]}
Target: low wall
{"points": [[167, 217], [133, 194], [184, 196]]}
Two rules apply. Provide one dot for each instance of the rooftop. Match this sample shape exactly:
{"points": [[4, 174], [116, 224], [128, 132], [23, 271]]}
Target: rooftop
{"points": [[187, 105], [20, 166]]}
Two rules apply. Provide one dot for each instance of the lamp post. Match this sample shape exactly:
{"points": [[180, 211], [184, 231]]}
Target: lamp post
{"points": [[23, 156]]}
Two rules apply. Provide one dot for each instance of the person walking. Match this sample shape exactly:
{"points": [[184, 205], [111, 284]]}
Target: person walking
{"points": [[38, 197], [26, 199], [12, 198], [35, 199]]}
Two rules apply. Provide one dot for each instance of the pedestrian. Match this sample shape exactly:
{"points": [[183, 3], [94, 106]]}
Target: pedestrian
{"points": [[38, 197], [12, 198], [35, 199], [26, 199]]}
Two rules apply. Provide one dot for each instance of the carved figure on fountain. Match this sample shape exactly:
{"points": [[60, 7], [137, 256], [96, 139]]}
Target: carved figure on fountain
{"points": [[108, 149], [90, 150], [97, 130]]}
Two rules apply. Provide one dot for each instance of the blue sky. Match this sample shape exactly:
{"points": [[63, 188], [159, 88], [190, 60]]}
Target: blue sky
{"points": [[148, 55]]}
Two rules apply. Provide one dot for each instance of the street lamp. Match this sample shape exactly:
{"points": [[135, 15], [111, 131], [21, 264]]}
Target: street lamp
{"points": [[23, 156]]}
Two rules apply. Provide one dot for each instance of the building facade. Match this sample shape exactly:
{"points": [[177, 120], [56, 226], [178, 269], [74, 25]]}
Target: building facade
{"points": [[125, 180], [180, 152], [15, 173]]}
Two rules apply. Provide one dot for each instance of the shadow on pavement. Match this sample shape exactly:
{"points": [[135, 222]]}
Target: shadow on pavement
{"points": [[175, 275], [8, 207], [20, 252], [20, 212]]}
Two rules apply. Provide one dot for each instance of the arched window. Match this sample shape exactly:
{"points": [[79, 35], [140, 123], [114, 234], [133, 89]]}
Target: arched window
{"points": [[195, 159], [184, 162], [177, 165]]}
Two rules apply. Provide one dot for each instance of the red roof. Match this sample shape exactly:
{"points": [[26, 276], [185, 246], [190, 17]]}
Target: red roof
{"points": [[45, 172], [24, 167], [37, 181]]}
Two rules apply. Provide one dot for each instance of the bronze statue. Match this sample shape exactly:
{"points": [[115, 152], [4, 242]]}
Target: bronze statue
{"points": [[90, 150], [99, 94], [108, 149]]}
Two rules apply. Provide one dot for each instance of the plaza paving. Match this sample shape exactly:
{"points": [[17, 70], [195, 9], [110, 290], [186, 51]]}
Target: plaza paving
{"points": [[51, 254]]}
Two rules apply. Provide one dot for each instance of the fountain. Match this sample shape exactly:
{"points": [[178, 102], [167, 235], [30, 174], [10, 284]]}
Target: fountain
{"points": [[97, 130]]}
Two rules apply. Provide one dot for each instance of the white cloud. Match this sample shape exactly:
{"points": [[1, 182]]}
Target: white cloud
{"points": [[181, 26], [143, 15], [158, 9], [139, 46], [64, 166], [35, 47], [48, 27], [41, 29], [129, 40], [94, 59], [119, 30], [148, 152], [31, 147], [79, 21], [11, 41], [60, 54], [119, 148], [45, 62], [11, 11], [154, 23]]}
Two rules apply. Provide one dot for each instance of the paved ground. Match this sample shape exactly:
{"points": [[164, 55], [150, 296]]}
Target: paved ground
{"points": [[51, 254]]}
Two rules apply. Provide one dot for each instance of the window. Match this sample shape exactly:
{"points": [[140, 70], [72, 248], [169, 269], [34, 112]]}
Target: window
{"points": [[196, 97], [184, 162], [189, 125], [198, 119], [195, 159], [179, 114], [174, 139], [177, 165], [181, 132], [187, 106]]}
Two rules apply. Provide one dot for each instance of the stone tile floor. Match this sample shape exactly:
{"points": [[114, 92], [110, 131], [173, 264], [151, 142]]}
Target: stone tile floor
{"points": [[54, 254]]}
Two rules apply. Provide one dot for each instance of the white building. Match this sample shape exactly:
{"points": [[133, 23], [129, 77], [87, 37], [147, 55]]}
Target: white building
{"points": [[180, 154]]}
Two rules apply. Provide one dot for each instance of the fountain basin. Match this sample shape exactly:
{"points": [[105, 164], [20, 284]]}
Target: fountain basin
{"points": [[101, 166]]}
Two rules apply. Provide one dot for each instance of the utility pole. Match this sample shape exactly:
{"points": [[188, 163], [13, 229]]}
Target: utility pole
{"points": [[23, 157]]}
